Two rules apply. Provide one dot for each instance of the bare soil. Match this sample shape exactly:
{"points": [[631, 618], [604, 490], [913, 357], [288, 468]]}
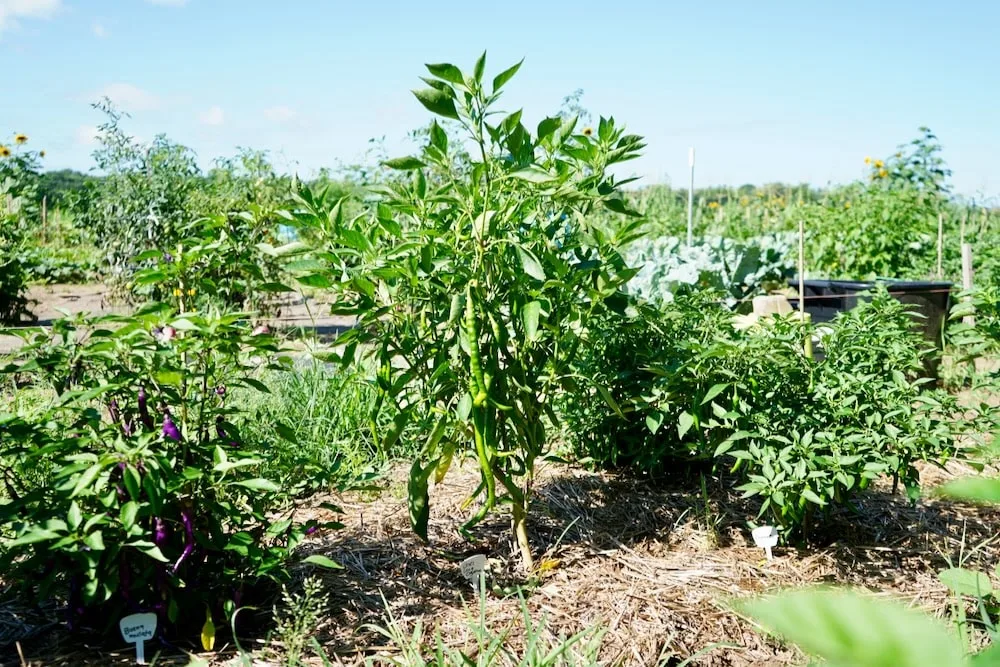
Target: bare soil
{"points": [[50, 302], [654, 563]]}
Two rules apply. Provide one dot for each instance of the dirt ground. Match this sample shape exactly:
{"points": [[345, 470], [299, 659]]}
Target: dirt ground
{"points": [[653, 563], [49, 302]]}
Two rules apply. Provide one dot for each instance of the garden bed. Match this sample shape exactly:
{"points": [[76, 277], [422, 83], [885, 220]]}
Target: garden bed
{"points": [[649, 561]]}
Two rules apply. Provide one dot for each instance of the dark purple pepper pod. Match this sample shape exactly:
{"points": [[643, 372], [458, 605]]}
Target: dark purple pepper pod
{"points": [[220, 391], [159, 531], [113, 412], [188, 539], [147, 421], [311, 529], [220, 430], [170, 429]]}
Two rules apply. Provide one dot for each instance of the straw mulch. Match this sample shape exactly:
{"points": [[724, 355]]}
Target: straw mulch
{"points": [[656, 564]]}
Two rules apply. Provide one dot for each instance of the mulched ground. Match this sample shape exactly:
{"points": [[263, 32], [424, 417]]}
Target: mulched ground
{"points": [[654, 563]]}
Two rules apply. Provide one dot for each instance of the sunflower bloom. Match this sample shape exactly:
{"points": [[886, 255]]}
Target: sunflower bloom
{"points": [[191, 292], [713, 204], [847, 204], [868, 160], [4, 151], [882, 173], [20, 139], [41, 153], [178, 291], [587, 131], [879, 164]]}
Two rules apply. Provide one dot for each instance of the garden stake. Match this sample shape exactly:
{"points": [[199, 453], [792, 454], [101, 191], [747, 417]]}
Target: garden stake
{"points": [[940, 243], [691, 198]]}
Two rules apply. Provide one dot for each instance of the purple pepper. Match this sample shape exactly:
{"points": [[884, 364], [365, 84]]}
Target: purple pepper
{"points": [[159, 532], [220, 391], [113, 411], [220, 431], [188, 539], [128, 428], [170, 429], [147, 421], [311, 529]]}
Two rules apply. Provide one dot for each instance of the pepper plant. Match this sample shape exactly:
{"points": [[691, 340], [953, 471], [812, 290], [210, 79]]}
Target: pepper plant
{"points": [[474, 281], [145, 496]]}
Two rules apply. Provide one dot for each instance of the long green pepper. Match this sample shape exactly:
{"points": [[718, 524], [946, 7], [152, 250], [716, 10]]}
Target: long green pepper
{"points": [[477, 385]]}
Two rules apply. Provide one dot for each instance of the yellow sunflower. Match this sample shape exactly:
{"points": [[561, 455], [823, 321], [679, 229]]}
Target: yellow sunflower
{"points": [[4, 151], [41, 153], [587, 131], [882, 173], [20, 139], [847, 204], [713, 204], [879, 164], [868, 160]]}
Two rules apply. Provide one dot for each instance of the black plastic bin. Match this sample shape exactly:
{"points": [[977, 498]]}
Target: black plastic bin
{"points": [[932, 300]]}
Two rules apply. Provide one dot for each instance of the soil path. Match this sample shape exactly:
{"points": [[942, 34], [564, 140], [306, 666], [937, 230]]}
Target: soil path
{"points": [[49, 302]]}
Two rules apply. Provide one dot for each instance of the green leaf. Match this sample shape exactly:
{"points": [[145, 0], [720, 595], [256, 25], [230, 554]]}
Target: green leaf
{"points": [[75, 517], [479, 68], [128, 513], [811, 496], [503, 77], [966, 582], [259, 484], [530, 264], [404, 163], [846, 628], [323, 561], [684, 424], [714, 391], [533, 175], [447, 72], [654, 420], [437, 102], [529, 319]]}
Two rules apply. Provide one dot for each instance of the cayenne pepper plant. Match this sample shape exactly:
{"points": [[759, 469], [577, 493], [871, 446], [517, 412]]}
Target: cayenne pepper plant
{"points": [[474, 282], [145, 497]]}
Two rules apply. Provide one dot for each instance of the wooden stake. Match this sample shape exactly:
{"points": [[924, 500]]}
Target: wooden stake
{"points": [[940, 246]]}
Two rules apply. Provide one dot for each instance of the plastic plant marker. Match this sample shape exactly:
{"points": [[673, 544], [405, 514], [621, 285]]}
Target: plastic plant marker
{"points": [[765, 537], [472, 569], [137, 629]]}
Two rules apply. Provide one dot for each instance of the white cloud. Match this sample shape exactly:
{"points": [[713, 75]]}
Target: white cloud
{"points": [[280, 114], [167, 3], [13, 10], [99, 30], [128, 97], [86, 135], [212, 116]]}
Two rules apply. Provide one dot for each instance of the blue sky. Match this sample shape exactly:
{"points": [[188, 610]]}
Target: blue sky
{"points": [[765, 91]]}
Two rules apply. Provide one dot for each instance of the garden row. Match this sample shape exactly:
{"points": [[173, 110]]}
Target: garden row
{"points": [[497, 322]]}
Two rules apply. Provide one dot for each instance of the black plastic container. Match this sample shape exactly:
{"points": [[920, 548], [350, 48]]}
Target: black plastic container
{"points": [[932, 300]]}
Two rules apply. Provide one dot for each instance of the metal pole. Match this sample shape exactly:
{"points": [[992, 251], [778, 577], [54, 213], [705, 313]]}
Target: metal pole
{"points": [[691, 198]]}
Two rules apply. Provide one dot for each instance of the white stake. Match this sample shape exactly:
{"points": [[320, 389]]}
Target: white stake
{"points": [[691, 198], [137, 629], [940, 247], [765, 537]]}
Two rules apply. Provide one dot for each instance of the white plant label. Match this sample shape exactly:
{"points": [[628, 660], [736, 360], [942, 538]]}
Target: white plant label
{"points": [[138, 629], [765, 537], [472, 567]]}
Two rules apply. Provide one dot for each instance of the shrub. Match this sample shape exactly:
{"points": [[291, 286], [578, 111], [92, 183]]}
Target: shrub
{"points": [[18, 211], [153, 500], [802, 434]]}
